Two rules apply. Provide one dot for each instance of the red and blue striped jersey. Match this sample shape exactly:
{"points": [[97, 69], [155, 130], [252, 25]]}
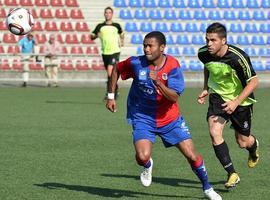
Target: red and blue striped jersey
{"points": [[145, 104]]}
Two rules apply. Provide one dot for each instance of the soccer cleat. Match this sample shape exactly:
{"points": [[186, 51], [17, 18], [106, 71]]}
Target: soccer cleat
{"points": [[232, 180], [146, 175], [253, 159], [212, 195]]}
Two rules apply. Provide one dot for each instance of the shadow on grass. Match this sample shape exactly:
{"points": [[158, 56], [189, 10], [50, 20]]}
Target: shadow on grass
{"points": [[106, 192], [170, 181], [73, 102]]}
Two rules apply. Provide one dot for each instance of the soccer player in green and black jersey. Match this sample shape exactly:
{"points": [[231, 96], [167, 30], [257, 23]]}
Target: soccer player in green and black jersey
{"points": [[112, 38], [230, 80]]}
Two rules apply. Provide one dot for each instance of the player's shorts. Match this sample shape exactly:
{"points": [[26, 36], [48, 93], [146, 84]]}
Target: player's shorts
{"points": [[171, 134], [240, 118], [110, 59]]}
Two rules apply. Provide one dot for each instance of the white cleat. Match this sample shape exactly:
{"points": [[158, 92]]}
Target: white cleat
{"points": [[211, 194], [146, 175]]}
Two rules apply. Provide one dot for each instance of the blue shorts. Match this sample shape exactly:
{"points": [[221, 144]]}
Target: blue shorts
{"points": [[171, 134]]}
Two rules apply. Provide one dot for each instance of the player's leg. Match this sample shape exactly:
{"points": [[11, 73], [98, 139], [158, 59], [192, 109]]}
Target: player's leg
{"points": [[55, 75], [25, 73]]}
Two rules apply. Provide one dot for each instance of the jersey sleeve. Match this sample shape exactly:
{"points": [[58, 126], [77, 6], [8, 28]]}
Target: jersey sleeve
{"points": [[120, 30], [97, 29], [176, 80], [245, 70], [125, 69]]}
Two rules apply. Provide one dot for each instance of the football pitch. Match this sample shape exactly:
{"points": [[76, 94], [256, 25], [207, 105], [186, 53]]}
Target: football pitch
{"points": [[62, 144]]}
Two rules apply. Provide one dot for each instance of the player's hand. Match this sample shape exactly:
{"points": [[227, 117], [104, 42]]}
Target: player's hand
{"points": [[230, 106], [201, 97], [111, 105], [153, 74]]}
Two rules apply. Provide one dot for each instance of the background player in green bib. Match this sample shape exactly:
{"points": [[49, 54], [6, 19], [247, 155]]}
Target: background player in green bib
{"points": [[230, 80], [112, 38]]}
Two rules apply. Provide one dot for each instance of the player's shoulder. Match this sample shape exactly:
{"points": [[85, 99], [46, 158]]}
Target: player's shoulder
{"points": [[236, 51], [203, 50], [172, 60]]}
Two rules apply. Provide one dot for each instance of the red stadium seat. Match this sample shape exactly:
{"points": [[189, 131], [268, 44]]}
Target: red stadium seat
{"points": [[92, 50], [42, 50], [82, 65], [46, 13], [51, 26], [76, 14], [9, 38], [40, 38], [35, 66], [56, 3], [4, 64], [64, 50], [34, 13], [97, 65], [59, 38], [26, 3], [61, 14], [66, 65], [37, 26], [71, 39], [76, 50], [66, 26], [3, 26], [86, 39], [42, 3], [2, 50], [13, 49], [81, 27], [11, 3], [3, 13], [71, 3], [17, 64]]}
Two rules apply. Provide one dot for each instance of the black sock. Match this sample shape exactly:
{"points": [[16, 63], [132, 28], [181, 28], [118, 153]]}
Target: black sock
{"points": [[253, 148], [222, 153]]}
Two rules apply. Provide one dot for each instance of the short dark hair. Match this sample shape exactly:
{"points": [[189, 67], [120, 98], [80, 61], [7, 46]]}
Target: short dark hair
{"points": [[160, 37], [108, 8], [218, 28]]}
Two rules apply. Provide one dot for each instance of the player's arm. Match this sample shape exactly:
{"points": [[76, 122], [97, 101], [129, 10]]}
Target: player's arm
{"points": [[122, 37], [204, 93], [95, 34]]}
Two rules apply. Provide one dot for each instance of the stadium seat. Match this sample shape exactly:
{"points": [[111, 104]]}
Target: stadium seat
{"points": [[139, 51], [92, 50], [64, 50], [81, 27], [50, 26], [257, 40], [191, 27], [76, 14], [214, 15], [188, 51], [195, 65], [203, 27], [164, 4], [173, 51], [66, 65], [230, 40], [146, 27], [253, 4], [36, 66], [199, 15], [242, 40], [42, 49], [140, 14], [238, 4], [3, 13], [37, 26], [258, 65], [26, 3], [162, 27], [182, 39], [72, 39], [268, 40], [176, 27], [125, 14], [223, 4], [2, 50], [66, 26], [9, 38], [149, 3], [10, 3], [34, 13], [183, 65], [244, 15], [17, 64], [264, 52], [40, 38], [170, 15], [155, 14], [131, 27], [265, 28], [3, 26], [45, 13], [86, 39], [265, 4], [259, 15], [4, 64], [208, 4], [71, 3], [194, 4], [184, 15], [97, 64], [135, 3], [82, 65], [236, 28], [250, 51], [229, 15], [120, 3], [197, 40], [42, 3], [136, 39], [179, 4], [13, 49], [251, 28], [76, 50], [169, 39], [61, 14], [59, 38], [56, 3], [267, 65]]}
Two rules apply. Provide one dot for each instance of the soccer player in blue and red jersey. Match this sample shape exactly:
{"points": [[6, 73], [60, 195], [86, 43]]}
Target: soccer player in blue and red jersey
{"points": [[152, 107]]}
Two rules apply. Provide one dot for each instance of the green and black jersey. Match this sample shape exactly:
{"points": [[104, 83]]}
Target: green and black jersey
{"points": [[229, 74], [109, 36]]}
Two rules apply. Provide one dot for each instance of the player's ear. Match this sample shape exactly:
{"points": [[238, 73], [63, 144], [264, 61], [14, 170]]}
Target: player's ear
{"points": [[224, 41], [162, 47]]}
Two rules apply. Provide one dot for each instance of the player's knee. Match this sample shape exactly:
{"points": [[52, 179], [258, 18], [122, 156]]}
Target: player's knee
{"points": [[242, 143], [142, 158]]}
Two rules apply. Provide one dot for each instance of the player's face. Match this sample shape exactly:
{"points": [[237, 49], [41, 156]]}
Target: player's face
{"points": [[152, 49], [108, 14], [214, 43]]}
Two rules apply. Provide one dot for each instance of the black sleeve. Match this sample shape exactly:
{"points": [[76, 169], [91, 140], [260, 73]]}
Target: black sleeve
{"points": [[97, 29], [118, 26]]}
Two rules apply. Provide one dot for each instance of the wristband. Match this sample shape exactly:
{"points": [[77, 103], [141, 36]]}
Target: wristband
{"points": [[110, 96]]}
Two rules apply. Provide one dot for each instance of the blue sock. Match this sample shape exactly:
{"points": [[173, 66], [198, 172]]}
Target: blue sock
{"points": [[148, 164]]}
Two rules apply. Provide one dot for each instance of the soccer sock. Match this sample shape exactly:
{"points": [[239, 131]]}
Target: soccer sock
{"points": [[200, 170], [222, 153], [253, 148], [25, 76], [148, 164], [144, 163]]}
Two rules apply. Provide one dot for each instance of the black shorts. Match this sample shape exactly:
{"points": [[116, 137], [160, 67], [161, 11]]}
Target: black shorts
{"points": [[240, 118], [110, 59]]}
